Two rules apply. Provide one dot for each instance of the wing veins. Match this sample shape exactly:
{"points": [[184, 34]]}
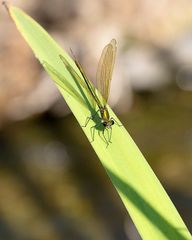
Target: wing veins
{"points": [[105, 70]]}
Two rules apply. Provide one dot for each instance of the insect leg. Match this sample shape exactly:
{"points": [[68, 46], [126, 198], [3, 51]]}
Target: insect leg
{"points": [[110, 134], [92, 130], [107, 142], [87, 121], [90, 118]]}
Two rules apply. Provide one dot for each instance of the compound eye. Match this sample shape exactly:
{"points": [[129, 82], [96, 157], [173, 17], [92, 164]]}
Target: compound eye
{"points": [[112, 122], [104, 124]]}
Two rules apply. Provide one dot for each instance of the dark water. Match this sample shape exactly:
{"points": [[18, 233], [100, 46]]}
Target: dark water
{"points": [[53, 186]]}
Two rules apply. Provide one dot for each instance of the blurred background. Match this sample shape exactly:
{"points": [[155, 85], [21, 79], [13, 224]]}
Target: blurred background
{"points": [[52, 185]]}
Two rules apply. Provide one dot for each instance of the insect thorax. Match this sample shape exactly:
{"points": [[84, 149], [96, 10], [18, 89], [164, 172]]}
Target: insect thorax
{"points": [[106, 120]]}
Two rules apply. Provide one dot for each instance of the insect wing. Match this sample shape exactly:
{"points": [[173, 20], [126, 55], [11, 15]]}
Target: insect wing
{"points": [[105, 70], [83, 81], [61, 81]]}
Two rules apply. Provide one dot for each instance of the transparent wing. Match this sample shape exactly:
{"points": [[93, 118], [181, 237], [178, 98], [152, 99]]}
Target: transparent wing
{"points": [[82, 81], [105, 69], [61, 81]]}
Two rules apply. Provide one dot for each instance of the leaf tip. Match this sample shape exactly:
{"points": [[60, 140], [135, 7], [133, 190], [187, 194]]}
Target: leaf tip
{"points": [[6, 6]]}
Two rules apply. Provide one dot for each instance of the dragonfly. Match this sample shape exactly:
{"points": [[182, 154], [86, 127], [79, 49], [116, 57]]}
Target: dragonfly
{"points": [[99, 96]]}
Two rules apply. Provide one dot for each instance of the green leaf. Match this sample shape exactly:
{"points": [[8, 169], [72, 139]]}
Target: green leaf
{"points": [[141, 192]]}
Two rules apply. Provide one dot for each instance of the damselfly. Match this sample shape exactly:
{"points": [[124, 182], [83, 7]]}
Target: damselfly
{"points": [[103, 77], [98, 97]]}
